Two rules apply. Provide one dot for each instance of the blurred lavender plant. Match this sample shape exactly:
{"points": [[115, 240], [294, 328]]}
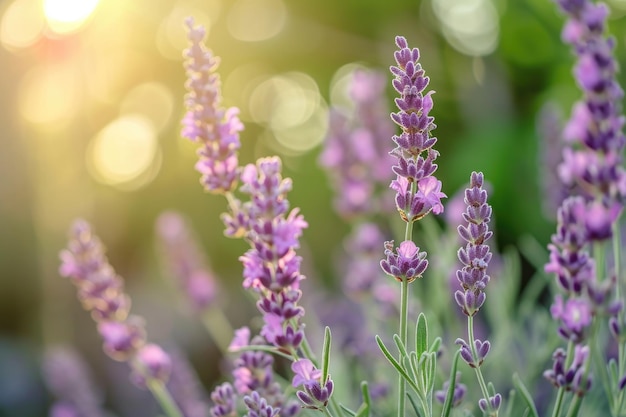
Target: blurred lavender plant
{"points": [[592, 168], [101, 291], [188, 267]]}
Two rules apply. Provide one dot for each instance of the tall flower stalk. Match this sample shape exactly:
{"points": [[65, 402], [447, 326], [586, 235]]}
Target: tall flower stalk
{"points": [[271, 267], [418, 192], [592, 169], [473, 279]]}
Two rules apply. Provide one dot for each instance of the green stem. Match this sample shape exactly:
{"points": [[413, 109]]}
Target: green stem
{"points": [[164, 398], [479, 374], [404, 325]]}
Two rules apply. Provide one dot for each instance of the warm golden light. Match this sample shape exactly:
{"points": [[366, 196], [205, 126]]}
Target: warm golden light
{"points": [[22, 24], [124, 153], [256, 20], [66, 16], [153, 100], [48, 95]]}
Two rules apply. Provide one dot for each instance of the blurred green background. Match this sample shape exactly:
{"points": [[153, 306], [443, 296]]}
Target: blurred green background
{"points": [[92, 97]]}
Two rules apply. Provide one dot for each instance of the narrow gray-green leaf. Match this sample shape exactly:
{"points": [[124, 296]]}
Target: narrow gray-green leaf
{"points": [[509, 408], [326, 354], [365, 392], [347, 410], [435, 346], [400, 345], [521, 388], [421, 335], [447, 405], [395, 363], [415, 406]]}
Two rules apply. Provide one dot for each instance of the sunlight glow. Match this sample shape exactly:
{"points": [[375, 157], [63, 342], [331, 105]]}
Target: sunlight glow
{"points": [[48, 95], [471, 26], [22, 24], [125, 153], [66, 16], [256, 20]]}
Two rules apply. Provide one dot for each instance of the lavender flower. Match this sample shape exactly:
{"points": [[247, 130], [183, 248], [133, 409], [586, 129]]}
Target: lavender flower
{"points": [[206, 122], [223, 397], [315, 393], [253, 373], [459, 392], [258, 407], [475, 256], [596, 124], [185, 261], [271, 266], [473, 278], [417, 191], [355, 154], [572, 378], [408, 263], [101, 290]]}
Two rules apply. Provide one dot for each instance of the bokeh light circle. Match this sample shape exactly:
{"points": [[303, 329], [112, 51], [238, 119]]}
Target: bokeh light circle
{"points": [[124, 153]]}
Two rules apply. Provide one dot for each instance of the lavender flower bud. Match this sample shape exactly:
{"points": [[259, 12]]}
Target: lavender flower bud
{"points": [[223, 398], [258, 407], [459, 392], [122, 340], [407, 263], [151, 363], [315, 393]]}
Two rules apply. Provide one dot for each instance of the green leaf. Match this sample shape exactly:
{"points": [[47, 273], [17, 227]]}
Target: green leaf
{"points": [[421, 335], [347, 410], [364, 409], [525, 395], [326, 354], [400, 345], [415, 406], [367, 399], [447, 405], [435, 346], [395, 363], [509, 408]]}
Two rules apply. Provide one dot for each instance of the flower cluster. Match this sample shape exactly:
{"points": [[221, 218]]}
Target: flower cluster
{"points": [[101, 291], [418, 192], [475, 256], [594, 167], [315, 393], [570, 378], [206, 122]]}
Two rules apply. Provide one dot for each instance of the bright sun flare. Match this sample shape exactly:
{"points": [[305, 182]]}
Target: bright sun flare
{"points": [[68, 11]]}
